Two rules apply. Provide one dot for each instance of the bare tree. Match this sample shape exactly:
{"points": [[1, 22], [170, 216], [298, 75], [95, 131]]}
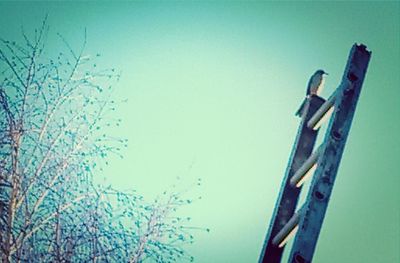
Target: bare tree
{"points": [[51, 143]]}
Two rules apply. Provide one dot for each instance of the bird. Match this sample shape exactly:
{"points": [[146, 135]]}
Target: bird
{"points": [[314, 87]]}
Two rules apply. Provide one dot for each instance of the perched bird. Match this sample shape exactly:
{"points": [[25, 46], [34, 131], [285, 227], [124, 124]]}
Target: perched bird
{"points": [[314, 87]]}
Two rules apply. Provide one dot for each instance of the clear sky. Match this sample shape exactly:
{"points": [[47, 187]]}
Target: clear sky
{"points": [[212, 88]]}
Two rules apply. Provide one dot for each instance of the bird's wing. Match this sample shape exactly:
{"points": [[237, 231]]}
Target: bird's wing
{"points": [[309, 85], [315, 84]]}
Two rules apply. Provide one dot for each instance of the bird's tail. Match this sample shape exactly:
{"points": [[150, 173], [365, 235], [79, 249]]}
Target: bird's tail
{"points": [[300, 111]]}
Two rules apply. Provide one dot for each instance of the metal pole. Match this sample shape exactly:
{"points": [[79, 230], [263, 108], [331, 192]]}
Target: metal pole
{"points": [[329, 159], [288, 195]]}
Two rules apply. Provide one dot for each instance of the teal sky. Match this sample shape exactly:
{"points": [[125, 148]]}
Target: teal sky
{"points": [[212, 88]]}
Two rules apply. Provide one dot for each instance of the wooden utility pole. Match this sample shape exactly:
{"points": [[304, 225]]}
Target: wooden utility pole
{"points": [[322, 164]]}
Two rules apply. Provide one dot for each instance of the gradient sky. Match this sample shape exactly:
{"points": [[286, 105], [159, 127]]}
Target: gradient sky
{"points": [[212, 88]]}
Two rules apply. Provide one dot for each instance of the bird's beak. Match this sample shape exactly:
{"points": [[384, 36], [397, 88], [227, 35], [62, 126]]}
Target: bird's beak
{"points": [[326, 73]]}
